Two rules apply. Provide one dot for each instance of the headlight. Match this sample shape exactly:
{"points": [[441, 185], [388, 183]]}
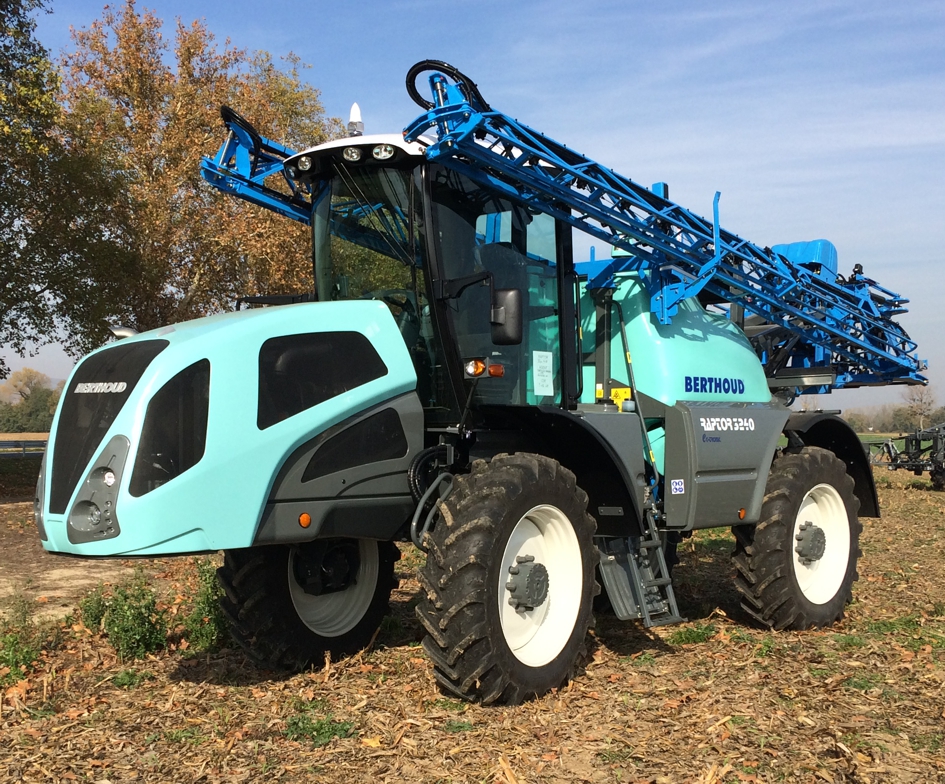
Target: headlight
{"points": [[383, 151], [304, 163], [351, 154]]}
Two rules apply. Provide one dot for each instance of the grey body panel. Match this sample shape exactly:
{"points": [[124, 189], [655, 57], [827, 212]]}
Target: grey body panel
{"points": [[367, 499], [717, 461], [622, 433], [114, 457]]}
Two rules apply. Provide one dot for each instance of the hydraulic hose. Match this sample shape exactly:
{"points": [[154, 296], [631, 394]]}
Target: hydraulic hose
{"points": [[469, 86]]}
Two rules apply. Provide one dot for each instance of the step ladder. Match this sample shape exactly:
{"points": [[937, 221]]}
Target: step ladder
{"points": [[637, 579]]}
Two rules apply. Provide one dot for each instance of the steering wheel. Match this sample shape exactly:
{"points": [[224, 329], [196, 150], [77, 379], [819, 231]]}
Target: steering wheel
{"points": [[468, 85]]}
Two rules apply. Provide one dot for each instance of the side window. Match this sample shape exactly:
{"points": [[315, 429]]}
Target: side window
{"points": [[174, 433], [297, 372], [544, 381]]}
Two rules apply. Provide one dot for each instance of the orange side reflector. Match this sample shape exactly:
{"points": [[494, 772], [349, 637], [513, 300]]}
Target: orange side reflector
{"points": [[305, 519], [497, 371], [741, 514]]}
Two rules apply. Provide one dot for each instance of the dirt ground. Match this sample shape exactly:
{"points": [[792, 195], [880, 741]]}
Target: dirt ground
{"points": [[54, 583], [713, 701]]}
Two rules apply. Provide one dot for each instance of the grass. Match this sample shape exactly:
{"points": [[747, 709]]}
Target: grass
{"points": [[457, 726]]}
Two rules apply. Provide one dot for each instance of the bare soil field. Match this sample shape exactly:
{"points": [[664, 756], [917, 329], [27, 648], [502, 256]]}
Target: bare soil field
{"points": [[714, 700]]}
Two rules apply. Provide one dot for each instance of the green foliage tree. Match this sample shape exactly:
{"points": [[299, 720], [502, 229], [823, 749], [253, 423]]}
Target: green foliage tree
{"points": [[60, 264], [151, 110], [27, 402]]}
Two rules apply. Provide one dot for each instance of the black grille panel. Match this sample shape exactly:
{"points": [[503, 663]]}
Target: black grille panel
{"points": [[99, 389]]}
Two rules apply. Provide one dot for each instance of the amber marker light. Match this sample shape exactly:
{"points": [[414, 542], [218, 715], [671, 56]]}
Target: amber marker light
{"points": [[497, 371], [305, 519], [741, 514]]}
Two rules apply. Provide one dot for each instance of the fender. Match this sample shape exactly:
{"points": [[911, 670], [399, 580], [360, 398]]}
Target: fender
{"points": [[606, 459], [828, 431]]}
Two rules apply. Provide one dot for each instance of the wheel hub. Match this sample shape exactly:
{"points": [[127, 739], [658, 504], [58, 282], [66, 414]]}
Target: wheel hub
{"points": [[811, 543], [528, 585], [323, 567]]}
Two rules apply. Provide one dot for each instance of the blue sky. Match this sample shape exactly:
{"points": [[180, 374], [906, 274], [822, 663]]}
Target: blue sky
{"points": [[814, 119]]}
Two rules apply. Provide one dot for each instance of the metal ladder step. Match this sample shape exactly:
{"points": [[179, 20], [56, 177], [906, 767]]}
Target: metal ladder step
{"points": [[638, 584]]}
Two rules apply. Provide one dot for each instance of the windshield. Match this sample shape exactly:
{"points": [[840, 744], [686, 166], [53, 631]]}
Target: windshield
{"points": [[365, 239], [367, 236]]}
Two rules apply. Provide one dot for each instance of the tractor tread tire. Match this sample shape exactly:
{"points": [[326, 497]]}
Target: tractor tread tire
{"points": [[262, 618], [464, 638], [764, 552]]}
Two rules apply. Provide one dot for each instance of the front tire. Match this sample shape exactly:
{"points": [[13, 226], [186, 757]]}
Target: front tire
{"points": [[937, 475], [795, 569], [280, 625], [509, 580]]}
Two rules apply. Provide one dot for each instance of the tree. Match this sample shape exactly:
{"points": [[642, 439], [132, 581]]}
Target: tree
{"points": [[22, 383], [195, 249], [33, 402], [920, 401], [57, 259]]}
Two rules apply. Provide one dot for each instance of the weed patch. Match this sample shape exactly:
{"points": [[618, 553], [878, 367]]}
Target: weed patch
{"points": [[700, 632], [846, 642], [864, 682], [20, 642], [129, 679], [304, 725], [132, 623], [205, 626], [319, 731], [92, 608], [18, 652]]}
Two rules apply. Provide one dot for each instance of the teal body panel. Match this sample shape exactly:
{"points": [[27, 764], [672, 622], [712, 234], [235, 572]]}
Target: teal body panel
{"points": [[701, 356], [218, 503], [697, 345]]}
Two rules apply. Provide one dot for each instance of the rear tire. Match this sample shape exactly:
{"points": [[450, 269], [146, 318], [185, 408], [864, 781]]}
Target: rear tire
{"points": [[280, 626], [795, 569], [519, 521]]}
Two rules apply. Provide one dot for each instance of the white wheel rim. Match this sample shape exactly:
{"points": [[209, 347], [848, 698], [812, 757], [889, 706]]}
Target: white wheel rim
{"points": [[820, 580], [537, 636], [334, 614]]}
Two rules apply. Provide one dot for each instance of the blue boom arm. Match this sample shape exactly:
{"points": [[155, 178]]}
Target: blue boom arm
{"points": [[243, 163], [676, 253]]}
